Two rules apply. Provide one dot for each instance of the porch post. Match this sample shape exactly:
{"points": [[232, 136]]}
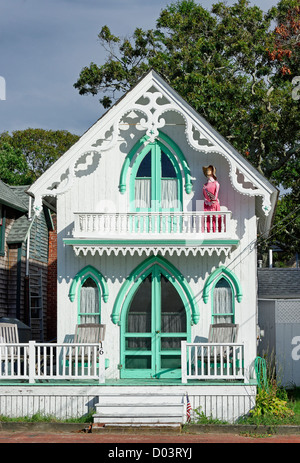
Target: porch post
{"points": [[101, 366], [183, 363], [31, 359], [247, 364]]}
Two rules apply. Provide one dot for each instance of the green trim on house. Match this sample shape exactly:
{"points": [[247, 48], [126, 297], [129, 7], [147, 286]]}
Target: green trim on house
{"points": [[173, 146], [126, 164], [82, 275], [155, 151], [128, 382], [167, 242], [216, 276], [139, 271], [227, 314], [161, 362], [183, 161]]}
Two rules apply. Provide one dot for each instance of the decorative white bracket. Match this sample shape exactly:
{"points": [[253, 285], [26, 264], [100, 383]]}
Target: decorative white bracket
{"points": [[152, 105]]}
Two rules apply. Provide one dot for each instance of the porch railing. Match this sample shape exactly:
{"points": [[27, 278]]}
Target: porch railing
{"points": [[44, 361], [191, 224], [212, 361]]}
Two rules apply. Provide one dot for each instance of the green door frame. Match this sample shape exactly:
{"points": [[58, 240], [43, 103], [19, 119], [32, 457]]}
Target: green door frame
{"points": [[155, 353]]}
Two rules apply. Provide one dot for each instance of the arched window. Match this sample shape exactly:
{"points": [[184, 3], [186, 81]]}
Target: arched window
{"points": [[172, 151], [223, 302], [89, 303], [156, 182], [87, 288]]}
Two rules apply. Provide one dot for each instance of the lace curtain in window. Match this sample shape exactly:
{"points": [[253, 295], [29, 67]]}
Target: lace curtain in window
{"points": [[169, 193], [89, 303], [222, 302]]}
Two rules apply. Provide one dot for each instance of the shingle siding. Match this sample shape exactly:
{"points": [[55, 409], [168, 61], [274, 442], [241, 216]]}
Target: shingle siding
{"points": [[13, 262]]}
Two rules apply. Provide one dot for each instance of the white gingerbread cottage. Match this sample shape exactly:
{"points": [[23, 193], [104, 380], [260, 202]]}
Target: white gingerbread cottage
{"points": [[136, 253]]}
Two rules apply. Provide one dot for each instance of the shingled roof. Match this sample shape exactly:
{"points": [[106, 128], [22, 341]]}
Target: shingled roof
{"points": [[9, 197], [278, 283]]}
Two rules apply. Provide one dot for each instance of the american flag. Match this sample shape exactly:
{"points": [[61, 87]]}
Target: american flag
{"points": [[188, 409]]}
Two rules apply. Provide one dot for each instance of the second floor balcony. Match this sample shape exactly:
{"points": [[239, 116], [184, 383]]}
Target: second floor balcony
{"points": [[153, 232], [160, 225]]}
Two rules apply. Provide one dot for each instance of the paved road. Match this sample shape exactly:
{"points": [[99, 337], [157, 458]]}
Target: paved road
{"points": [[116, 438]]}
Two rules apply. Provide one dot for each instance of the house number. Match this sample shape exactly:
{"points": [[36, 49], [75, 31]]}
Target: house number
{"points": [[101, 351]]}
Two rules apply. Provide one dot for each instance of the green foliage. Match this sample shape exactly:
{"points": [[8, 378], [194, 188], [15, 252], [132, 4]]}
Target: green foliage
{"points": [[26, 154], [270, 403], [287, 223], [13, 166], [41, 418], [220, 61], [201, 418]]}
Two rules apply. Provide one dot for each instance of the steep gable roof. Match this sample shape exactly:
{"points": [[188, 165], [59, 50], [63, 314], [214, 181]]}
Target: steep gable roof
{"points": [[152, 98]]}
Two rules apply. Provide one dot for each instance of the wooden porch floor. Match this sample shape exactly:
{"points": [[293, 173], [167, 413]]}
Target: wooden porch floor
{"points": [[130, 382]]}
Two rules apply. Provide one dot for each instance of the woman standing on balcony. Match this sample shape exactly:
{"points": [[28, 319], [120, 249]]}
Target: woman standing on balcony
{"points": [[211, 191]]}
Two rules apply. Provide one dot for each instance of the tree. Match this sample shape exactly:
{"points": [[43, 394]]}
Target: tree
{"points": [[285, 233], [26, 154], [221, 62], [13, 166], [286, 48]]}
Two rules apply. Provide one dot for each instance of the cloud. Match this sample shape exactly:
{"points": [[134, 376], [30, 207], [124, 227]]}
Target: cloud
{"points": [[44, 44]]}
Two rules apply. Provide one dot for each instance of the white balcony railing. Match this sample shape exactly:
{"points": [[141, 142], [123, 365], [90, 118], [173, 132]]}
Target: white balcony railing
{"points": [[210, 225], [212, 361], [44, 361]]}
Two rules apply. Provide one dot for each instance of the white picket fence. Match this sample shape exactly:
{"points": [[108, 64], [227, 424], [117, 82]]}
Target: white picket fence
{"points": [[212, 361], [46, 361]]}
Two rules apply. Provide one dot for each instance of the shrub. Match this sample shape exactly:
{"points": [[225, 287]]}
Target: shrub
{"points": [[271, 402]]}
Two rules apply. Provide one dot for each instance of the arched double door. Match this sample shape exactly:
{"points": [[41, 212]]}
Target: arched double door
{"points": [[155, 320]]}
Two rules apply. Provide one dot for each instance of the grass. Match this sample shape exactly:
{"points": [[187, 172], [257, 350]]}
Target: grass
{"points": [[40, 418], [291, 396], [292, 399], [201, 418]]}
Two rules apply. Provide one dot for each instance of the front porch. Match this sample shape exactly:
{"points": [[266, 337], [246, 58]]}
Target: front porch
{"points": [[223, 400], [68, 380], [52, 362]]}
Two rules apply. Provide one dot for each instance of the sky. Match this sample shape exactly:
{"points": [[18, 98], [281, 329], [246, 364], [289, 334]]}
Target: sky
{"points": [[44, 44]]}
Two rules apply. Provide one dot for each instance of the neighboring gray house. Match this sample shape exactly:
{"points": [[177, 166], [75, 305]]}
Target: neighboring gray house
{"points": [[23, 259], [279, 318]]}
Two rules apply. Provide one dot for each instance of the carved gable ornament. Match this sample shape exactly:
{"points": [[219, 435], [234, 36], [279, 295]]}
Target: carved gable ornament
{"points": [[146, 107]]}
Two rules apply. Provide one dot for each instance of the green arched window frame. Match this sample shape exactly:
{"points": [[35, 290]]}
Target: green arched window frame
{"points": [[81, 277], [140, 273], [230, 277], [230, 312], [167, 143]]}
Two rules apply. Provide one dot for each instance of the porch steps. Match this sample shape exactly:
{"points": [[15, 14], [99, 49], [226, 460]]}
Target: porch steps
{"points": [[142, 408]]}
